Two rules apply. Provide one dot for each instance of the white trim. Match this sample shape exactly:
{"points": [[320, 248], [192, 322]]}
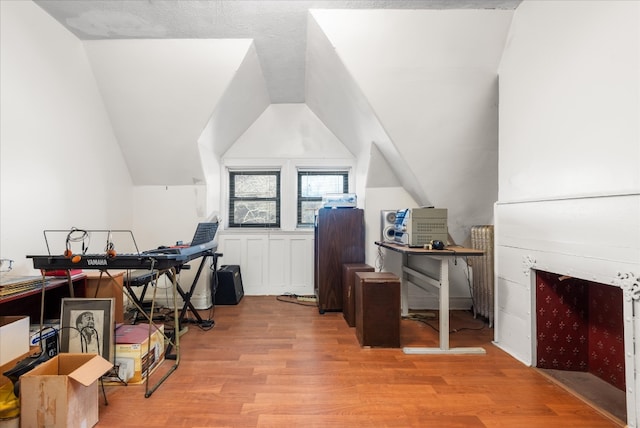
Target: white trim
{"points": [[254, 169]]}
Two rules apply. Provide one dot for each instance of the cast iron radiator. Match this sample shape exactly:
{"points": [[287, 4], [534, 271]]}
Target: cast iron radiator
{"points": [[483, 272]]}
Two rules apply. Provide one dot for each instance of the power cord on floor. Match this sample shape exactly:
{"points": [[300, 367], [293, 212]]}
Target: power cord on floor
{"points": [[204, 325], [422, 318], [304, 300]]}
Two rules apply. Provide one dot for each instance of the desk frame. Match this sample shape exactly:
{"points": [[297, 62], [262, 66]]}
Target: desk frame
{"points": [[444, 257]]}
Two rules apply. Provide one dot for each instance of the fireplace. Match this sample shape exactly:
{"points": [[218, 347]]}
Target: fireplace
{"points": [[579, 327], [568, 293]]}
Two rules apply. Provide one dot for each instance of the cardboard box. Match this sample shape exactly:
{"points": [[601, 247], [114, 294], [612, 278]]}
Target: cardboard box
{"points": [[135, 356], [99, 285], [14, 337], [62, 392]]}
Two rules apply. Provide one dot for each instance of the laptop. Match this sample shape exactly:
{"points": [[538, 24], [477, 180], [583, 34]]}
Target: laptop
{"points": [[202, 240], [205, 232]]}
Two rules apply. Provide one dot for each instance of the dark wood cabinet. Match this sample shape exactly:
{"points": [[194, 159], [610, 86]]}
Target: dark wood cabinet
{"points": [[349, 290], [377, 309], [339, 239]]}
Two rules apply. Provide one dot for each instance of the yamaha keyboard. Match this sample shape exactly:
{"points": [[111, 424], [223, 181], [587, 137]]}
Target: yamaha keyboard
{"points": [[143, 260]]}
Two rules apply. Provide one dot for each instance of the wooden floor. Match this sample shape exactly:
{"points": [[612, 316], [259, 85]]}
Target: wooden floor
{"points": [[268, 363]]}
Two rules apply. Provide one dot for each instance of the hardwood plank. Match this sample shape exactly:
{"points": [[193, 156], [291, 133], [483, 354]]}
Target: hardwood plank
{"points": [[268, 363]]}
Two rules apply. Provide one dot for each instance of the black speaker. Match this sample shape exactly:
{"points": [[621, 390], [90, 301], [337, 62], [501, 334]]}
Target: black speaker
{"points": [[387, 221], [229, 288]]}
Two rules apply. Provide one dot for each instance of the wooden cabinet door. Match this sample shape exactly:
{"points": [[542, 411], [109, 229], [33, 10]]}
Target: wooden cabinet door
{"points": [[339, 238]]}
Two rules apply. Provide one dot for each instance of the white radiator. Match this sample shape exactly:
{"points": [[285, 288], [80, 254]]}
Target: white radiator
{"points": [[483, 274]]}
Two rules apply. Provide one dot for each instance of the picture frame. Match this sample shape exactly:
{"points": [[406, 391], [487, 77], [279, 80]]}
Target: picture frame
{"points": [[87, 326]]}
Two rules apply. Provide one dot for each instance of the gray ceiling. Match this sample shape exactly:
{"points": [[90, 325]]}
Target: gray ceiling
{"points": [[278, 27]]}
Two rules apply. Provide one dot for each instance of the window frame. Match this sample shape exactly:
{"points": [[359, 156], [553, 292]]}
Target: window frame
{"points": [[232, 199], [300, 199]]}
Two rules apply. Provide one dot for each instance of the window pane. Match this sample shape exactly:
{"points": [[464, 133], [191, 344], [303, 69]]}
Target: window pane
{"points": [[252, 212], [255, 186], [318, 185], [308, 211]]}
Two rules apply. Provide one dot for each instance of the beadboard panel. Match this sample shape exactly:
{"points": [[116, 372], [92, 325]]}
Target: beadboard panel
{"points": [[271, 263], [301, 265]]}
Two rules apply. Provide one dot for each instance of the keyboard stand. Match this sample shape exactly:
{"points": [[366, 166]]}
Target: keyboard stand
{"points": [[145, 278]]}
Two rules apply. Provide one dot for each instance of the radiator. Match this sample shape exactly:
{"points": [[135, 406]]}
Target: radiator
{"points": [[483, 272]]}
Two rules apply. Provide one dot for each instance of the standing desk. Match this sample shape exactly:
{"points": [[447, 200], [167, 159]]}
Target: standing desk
{"points": [[444, 257]]}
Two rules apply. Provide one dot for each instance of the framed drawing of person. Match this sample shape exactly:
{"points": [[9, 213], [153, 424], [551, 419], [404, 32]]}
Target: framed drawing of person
{"points": [[87, 326]]}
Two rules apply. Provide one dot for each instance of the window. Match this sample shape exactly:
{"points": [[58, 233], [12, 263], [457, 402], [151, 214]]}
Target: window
{"points": [[312, 185], [254, 199]]}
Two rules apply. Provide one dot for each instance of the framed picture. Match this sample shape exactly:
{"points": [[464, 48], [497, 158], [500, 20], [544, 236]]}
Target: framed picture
{"points": [[87, 326]]}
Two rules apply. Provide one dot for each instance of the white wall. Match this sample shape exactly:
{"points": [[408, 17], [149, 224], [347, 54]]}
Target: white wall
{"points": [[569, 199], [286, 137], [581, 198], [569, 101], [380, 197], [436, 101], [384, 78], [160, 95], [60, 165], [334, 95], [385, 198], [164, 215]]}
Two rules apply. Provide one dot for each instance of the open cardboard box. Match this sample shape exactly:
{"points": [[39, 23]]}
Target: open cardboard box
{"points": [[62, 392]]}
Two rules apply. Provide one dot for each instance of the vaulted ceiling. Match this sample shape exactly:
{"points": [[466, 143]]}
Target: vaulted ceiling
{"points": [[278, 27]]}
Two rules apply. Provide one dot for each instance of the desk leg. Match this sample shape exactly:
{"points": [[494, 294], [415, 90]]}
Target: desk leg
{"points": [[186, 297], [444, 304], [444, 320], [404, 288]]}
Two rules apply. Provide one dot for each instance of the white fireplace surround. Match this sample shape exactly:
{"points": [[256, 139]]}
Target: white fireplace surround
{"points": [[592, 238]]}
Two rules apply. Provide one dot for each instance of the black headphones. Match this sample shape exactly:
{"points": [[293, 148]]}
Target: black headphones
{"points": [[110, 248], [76, 235]]}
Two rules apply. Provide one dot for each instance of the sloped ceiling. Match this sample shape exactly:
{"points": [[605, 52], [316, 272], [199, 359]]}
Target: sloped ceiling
{"points": [[335, 96], [430, 80], [278, 27], [296, 131], [279, 56], [384, 176], [160, 95], [243, 101]]}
